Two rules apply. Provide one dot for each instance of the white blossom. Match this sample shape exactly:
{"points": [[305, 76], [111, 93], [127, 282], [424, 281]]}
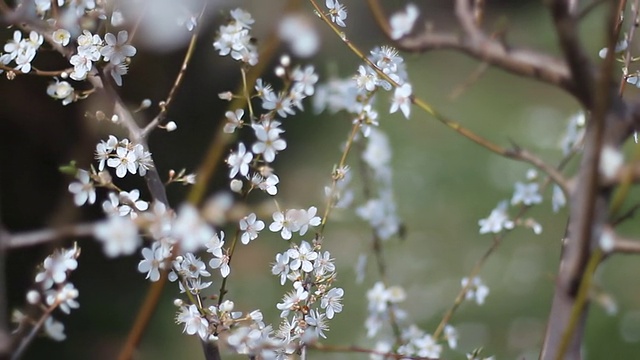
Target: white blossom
{"points": [[402, 22], [119, 236]]}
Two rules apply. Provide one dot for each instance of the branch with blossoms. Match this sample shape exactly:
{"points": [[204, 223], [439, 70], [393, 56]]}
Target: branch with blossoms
{"points": [[194, 246], [579, 82]]}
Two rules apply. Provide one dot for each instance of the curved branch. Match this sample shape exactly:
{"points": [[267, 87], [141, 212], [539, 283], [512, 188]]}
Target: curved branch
{"points": [[475, 43], [521, 62]]}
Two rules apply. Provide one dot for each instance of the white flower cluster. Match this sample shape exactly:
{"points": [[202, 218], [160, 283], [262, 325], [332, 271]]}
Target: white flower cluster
{"points": [[574, 135], [415, 342], [62, 90], [356, 96], [76, 7], [114, 50], [293, 220], [402, 22], [476, 289], [21, 51], [234, 39], [312, 273], [253, 166], [55, 290], [337, 12], [218, 318], [91, 48], [380, 209], [176, 237], [123, 156], [527, 194]]}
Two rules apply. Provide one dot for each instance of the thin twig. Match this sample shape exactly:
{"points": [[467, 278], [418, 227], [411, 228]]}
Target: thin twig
{"points": [[633, 26], [35, 71], [164, 106], [626, 216], [356, 349], [26, 341], [497, 240]]}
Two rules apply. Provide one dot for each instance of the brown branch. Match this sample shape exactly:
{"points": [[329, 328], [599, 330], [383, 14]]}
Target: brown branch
{"points": [[589, 202], [34, 71], [20, 240], [626, 246], [475, 43], [522, 62], [580, 67], [146, 311]]}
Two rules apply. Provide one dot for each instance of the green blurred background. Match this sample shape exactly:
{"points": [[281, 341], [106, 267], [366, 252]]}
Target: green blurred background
{"points": [[444, 184]]}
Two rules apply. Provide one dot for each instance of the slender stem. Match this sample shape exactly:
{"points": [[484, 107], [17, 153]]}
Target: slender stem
{"points": [[223, 286], [343, 160], [164, 107], [26, 341], [633, 26], [35, 71], [355, 349], [245, 91]]}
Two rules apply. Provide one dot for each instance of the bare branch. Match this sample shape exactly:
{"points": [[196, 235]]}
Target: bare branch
{"points": [[20, 240], [522, 62], [626, 246], [475, 43], [582, 71]]}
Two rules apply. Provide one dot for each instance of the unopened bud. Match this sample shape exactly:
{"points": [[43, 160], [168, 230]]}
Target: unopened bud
{"points": [[236, 185], [171, 126], [226, 306], [280, 72], [227, 95], [33, 297], [145, 104], [285, 60]]}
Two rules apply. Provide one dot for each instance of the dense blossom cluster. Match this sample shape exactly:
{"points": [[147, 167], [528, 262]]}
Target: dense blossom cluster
{"points": [[190, 243], [234, 39]]}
